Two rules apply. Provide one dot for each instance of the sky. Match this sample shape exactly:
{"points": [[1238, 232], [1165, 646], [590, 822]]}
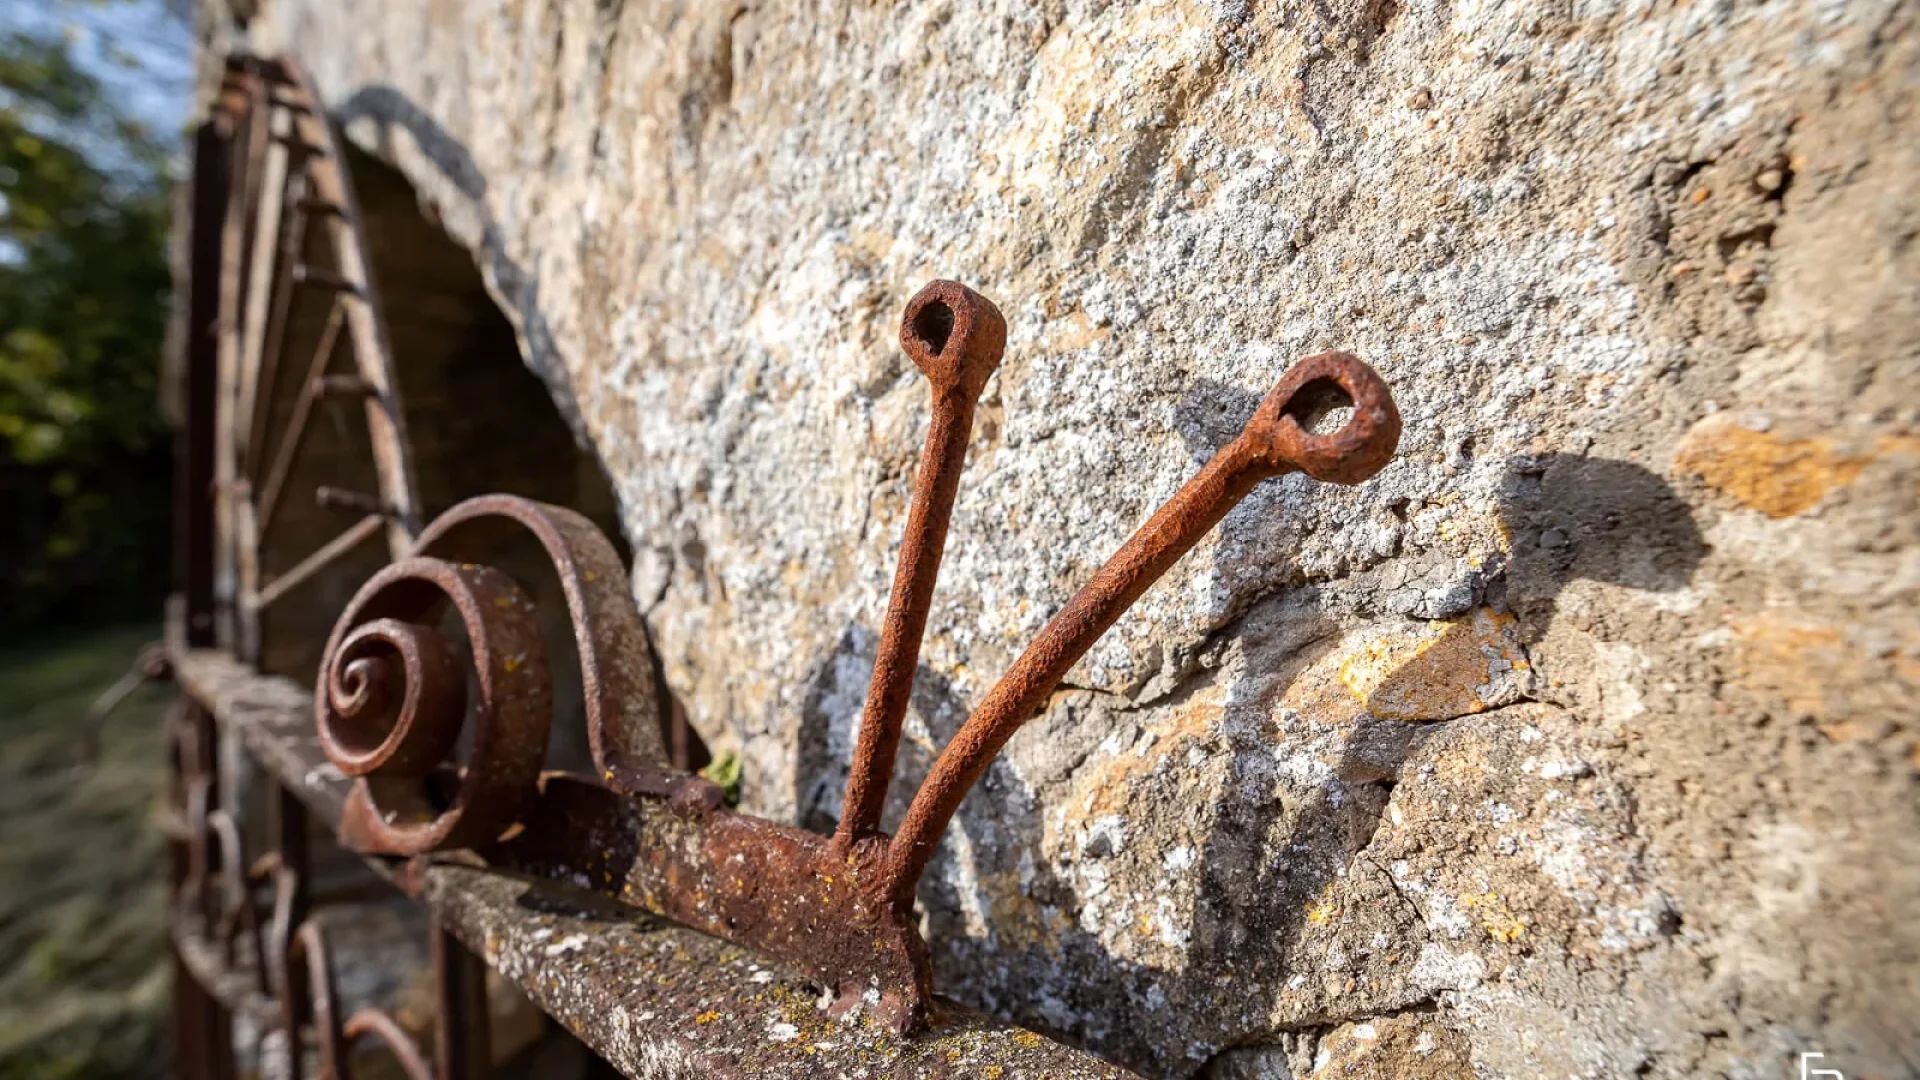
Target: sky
{"points": [[138, 49]]}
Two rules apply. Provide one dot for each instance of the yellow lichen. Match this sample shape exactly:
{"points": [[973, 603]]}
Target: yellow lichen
{"points": [[1321, 910], [1500, 923], [1443, 670], [1778, 476], [1808, 665]]}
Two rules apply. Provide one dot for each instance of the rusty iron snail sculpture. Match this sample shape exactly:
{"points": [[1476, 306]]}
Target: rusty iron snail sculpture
{"points": [[393, 694]]}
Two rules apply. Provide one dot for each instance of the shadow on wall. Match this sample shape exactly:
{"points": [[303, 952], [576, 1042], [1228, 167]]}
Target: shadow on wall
{"points": [[1594, 519], [829, 724], [1280, 807], [387, 108]]}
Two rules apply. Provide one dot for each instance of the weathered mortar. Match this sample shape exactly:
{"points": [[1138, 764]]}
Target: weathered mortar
{"points": [[1579, 742]]}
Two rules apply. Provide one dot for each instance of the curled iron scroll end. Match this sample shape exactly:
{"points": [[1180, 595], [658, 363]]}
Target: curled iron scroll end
{"points": [[393, 687], [393, 698]]}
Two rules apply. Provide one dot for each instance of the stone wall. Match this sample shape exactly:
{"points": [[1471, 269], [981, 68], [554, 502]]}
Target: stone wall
{"points": [[1580, 742]]}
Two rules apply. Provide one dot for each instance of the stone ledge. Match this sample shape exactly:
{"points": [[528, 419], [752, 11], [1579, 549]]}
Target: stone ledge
{"points": [[653, 998]]}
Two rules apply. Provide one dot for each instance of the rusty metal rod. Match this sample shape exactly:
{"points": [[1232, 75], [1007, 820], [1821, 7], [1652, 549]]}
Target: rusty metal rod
{"points": [[386, 426], [461, 1035], [321, 278], [273, 344], [302, 407], [1274, 442], [383, 1027], [268, 287], [287, 825], [355, 535], [307, 954], [956, 337]]}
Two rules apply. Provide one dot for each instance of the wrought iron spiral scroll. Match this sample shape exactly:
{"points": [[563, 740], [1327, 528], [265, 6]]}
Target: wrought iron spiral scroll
{"points": [[393, 689]]}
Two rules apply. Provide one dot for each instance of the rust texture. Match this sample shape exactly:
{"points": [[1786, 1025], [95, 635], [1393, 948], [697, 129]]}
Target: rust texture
{"points": [[307, 977], [839, 909], [1274, 442], [392, 702], [955, 337], [656, 1000], [278, 221], [425, 740], [616, 667], [787, 892], [394, 697], [642, 991]]}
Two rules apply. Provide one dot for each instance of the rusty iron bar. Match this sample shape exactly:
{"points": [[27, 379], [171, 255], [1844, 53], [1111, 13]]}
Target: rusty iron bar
{"points": [[215, 911], [386, 424], [245, 165], [216, 906], [290, 967], [302, 406], [1275, 441], [320, 558], [379, 1025], [462, 1041], [316, 277], [955, 337], [238, 917], [287, 825], [289, 995], [202, 1025], [309, 968], [840, 908], [356, 534], [775, 888], [279, 315]]}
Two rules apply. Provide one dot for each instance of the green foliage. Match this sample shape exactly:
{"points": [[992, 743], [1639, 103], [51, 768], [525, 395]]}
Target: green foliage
{"points": [[725, 771], [83, 310], [83, 979]]}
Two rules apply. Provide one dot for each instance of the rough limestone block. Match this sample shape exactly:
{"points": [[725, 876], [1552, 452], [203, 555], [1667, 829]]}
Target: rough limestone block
{"points": [[1580, 741]]}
